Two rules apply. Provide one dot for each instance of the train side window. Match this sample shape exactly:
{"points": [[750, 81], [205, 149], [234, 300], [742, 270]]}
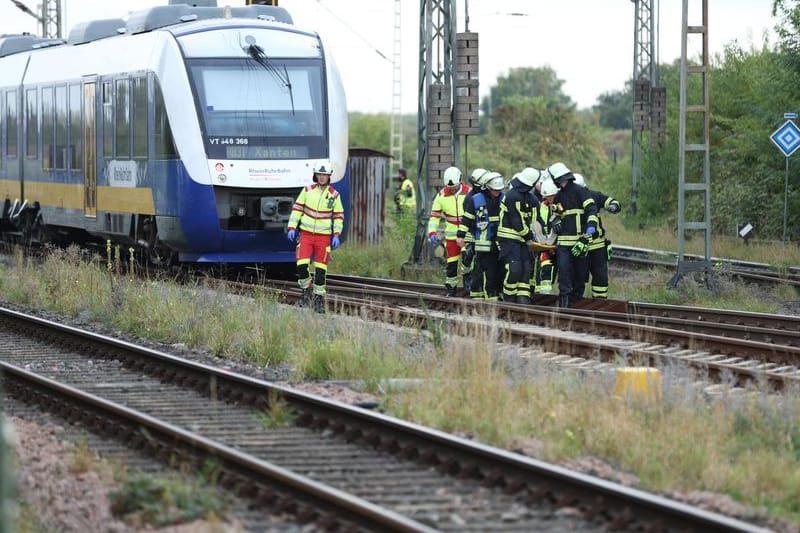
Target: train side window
{"points": [[48, 148], [108, 120], [140, 117], [61, 127], [11, 124], [165, 145], [75, 127], [122, 115], [31, 125]]}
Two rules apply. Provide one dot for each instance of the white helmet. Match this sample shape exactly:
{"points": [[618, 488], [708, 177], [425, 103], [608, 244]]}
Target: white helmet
{"points": [[495, 182], [477, 174], [559, 171], [548, 187], [323, 167], [486, 177], [529, 176], [452, 176], [579, 179]]}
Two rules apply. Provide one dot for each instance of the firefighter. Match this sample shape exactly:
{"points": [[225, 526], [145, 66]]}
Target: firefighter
{"points": [[578, 228], [473, 284], [448, 206], [546, 226], [515, 237], [480, 219], [600, 247], [405, 199], [319, 214]]}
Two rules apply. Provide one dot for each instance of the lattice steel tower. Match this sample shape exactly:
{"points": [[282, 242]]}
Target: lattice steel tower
{"points": [[435, 142], [694, 153], [649, 100], [52, 19], [397, 112]]}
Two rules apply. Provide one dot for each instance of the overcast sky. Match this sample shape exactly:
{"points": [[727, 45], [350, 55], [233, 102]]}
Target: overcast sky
{"points": [[589, 43]]}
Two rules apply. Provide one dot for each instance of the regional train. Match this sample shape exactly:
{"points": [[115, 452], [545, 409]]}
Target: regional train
{"points": [[186, 132]]}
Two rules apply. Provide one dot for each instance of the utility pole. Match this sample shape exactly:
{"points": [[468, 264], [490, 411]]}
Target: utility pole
{"points": [[447, 107], [50, 18], [397, 113], [649, 100], [436, 147], [694, 157]]}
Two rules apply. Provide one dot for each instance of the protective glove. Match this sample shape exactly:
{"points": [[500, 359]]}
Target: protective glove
{"points": [[291, 235], [555, 225], [335, 242], [614, 207], [580, 248], [609, 249], [590, 231], [434, 238]]}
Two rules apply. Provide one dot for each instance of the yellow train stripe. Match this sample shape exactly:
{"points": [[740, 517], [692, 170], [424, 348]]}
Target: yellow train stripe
{"points": [[70, 196], [66, 195], [126, 200]]}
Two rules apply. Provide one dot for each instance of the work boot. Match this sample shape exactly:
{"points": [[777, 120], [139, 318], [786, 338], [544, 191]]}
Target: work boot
{"points": [[305, 298], [319, 303], [451, 291], [563, 301], [526, 300]]}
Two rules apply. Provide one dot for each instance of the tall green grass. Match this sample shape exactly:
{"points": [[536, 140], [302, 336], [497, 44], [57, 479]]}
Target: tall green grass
{"points": [[746, 446]]}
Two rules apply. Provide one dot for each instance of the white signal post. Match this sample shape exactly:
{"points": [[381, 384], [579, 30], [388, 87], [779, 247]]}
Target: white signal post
{"points": [[787, 139]]}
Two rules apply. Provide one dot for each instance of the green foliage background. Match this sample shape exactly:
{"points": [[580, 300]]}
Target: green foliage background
{"points": [[527, 120]]}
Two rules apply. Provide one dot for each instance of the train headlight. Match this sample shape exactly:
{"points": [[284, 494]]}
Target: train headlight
{"points": [[222, 178], [241, 211]]}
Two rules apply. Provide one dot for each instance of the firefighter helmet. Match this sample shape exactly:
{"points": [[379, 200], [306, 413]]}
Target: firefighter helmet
{"points": [[477, 174], [529, 176], [579, 180], [559, 172], [324, 167], [495, 182], [452, 176], [548, 188]]}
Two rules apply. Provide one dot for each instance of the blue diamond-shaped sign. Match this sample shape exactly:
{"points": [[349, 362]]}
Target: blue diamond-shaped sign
{"points": [[787, 138]]}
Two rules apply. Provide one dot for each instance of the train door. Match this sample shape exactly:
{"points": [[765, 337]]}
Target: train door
{"points": [[89, 150]]}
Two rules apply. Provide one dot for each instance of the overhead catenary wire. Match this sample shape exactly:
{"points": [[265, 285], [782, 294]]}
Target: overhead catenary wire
{"points": [[354, 32]]}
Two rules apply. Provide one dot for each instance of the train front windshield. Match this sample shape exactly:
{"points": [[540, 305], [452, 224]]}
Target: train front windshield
{"points": [[272, 109]]}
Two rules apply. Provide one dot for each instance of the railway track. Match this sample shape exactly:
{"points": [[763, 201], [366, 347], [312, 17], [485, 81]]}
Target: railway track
{"points": [[754, 348], [748, 270], [331, 465]]}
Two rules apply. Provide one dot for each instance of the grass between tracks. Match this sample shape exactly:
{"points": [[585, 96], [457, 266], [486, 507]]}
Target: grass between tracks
{"points": [[746, 446]]}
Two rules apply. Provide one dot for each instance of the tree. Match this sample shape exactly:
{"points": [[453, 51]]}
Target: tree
{"points": [[527, 82], [614, 109]]}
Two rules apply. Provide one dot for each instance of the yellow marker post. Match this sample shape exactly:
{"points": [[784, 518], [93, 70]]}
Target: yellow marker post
{"points": [[638, 382]]}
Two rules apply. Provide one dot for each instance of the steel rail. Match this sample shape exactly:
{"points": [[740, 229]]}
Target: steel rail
{"points": [[339, 506], [622, 505]]}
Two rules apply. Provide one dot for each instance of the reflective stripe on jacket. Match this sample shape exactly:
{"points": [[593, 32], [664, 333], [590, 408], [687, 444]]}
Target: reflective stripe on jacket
{"points": [[318, 209], [516, 212], [448, 206], [580, 211]]}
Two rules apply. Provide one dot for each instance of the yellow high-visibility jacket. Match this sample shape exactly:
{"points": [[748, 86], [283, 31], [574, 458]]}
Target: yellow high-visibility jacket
{"points": [[408, 196], [318, 209], [448, 206]]}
